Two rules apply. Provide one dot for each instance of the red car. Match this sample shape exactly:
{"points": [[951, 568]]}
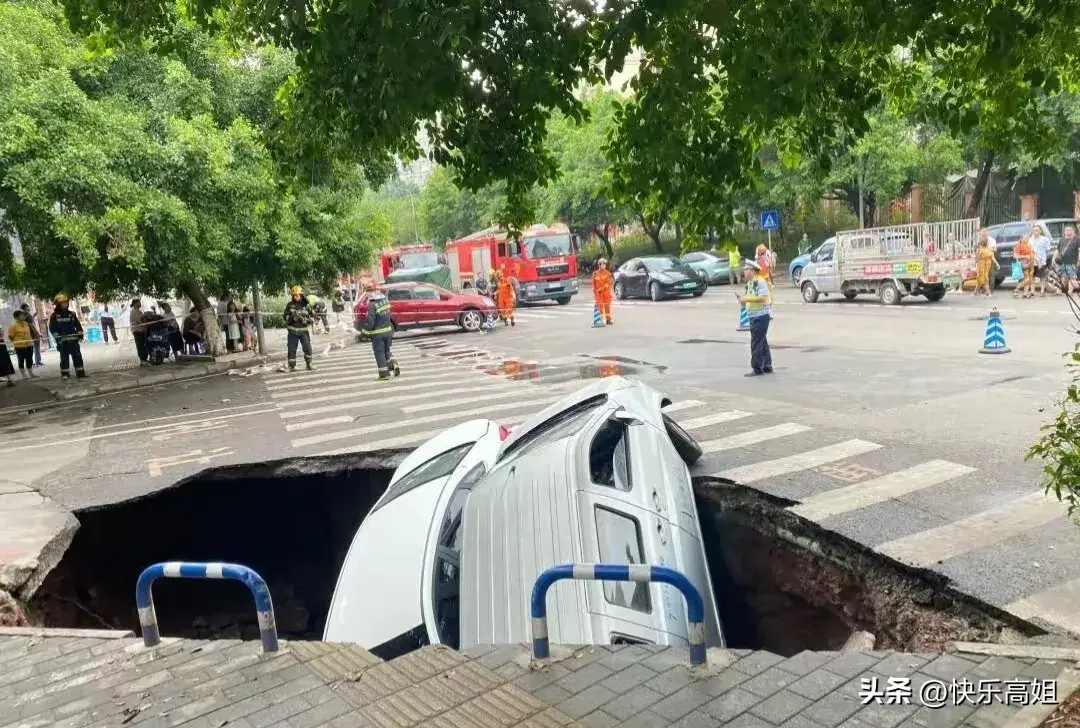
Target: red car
{"points": [[416, 305]]}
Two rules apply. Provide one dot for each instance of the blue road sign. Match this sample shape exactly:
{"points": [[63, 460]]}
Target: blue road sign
{"points": [[770, 219]]}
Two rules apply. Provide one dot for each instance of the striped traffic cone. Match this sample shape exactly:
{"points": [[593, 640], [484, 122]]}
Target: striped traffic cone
{"points": [[744, 318], [994, 341], [597, 319]]}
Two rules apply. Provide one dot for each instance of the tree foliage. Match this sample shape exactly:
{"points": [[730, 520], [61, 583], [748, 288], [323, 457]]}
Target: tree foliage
{"points": [[147, 168]]}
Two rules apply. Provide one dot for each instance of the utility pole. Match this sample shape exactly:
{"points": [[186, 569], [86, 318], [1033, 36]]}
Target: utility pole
{"points": [[256, 300]]}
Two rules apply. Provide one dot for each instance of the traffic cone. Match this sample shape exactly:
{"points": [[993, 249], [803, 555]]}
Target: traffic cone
{"points": [[994, 341], [744, 318], [597, 319]]}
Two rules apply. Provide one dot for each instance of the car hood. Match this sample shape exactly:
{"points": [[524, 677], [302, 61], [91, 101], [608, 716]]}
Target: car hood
{"points": [[454, 437], [673, 275], [379, 590], [800, 260]]}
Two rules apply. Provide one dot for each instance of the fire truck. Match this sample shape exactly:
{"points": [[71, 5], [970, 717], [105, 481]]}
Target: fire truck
{"points": [[542, 264], [420, 262]]}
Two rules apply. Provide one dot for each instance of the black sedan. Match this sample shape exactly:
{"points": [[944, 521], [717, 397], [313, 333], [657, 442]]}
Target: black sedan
{"points": [[657, 277]]}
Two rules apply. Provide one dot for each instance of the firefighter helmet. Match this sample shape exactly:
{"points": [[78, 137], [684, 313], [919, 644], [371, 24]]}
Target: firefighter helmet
{"points": [[296, 291], [60, 298]]}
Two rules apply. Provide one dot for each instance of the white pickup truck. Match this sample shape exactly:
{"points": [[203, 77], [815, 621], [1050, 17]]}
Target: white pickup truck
{"points": [[918, 259]]}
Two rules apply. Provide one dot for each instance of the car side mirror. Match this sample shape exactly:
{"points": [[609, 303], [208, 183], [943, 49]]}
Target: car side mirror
{"points": [[444, 296], [813, 257]]}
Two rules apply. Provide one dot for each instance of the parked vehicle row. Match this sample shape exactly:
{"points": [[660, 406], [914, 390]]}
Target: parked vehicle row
{"points": [[450, 552]]}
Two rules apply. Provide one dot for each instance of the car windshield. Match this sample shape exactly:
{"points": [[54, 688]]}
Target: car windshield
{"points": [[658, 265], [546, 246], [418, 260], [437, 467]]}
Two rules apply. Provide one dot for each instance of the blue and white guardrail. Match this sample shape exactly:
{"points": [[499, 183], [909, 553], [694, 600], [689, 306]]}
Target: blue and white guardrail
{"points": [[144, 599], [695, 607]]}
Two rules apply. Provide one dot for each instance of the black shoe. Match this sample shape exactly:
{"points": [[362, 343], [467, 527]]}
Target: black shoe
{"points": [[767, 371], [755, 373], [80, 375], [310, 367], [512, 322], [397, 370]]}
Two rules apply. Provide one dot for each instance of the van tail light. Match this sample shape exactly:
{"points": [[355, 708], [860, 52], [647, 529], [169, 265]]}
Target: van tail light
{"points": [[504, 432]]}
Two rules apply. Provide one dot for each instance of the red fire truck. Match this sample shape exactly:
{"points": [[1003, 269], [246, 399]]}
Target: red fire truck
{"points": [[542, 264]]}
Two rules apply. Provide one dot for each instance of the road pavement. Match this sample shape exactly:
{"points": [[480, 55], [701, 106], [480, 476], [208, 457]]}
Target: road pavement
{"points": [[885, 424]]}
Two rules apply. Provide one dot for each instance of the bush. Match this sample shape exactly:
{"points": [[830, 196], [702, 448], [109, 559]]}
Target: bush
{"points": [[1058, 446], [273, 321]]}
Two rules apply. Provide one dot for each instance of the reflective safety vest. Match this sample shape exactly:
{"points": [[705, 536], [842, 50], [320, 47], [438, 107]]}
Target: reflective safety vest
{"points": [[378, 316], [65, 326], [298, 316]]}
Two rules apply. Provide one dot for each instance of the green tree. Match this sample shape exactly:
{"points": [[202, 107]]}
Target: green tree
{"points": [[448, 212], [580, 195]]}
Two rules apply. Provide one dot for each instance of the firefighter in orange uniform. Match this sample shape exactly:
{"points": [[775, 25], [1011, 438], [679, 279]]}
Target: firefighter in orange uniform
{"points": [[504, 299], [602, 283]]}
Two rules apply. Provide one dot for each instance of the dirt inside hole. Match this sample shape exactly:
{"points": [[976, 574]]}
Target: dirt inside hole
{"points": [[785, 584], [782, 583]]}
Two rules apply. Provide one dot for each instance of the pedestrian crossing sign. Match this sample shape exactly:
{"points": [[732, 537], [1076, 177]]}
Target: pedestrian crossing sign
{"points": [[770, 220]]}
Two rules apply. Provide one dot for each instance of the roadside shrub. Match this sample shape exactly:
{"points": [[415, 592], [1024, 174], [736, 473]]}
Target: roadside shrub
{"points": [[1059, 446]]}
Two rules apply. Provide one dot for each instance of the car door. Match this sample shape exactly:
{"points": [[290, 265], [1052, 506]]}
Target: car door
{"points": [[637, 277], [629, 526], [824, 267], [401, 306], [428, 306]]}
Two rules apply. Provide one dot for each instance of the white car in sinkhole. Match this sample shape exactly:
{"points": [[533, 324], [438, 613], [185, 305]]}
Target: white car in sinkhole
{"points": [[449, 554]]}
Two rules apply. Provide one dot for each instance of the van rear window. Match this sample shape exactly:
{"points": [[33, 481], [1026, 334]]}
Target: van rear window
{"points": [[438, 467], [619, 538]]}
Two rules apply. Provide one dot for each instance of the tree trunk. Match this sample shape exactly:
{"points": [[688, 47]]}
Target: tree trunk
{"points": [[215, 346], [602, 233], [653, 231], [679, 233], [981, 183]]}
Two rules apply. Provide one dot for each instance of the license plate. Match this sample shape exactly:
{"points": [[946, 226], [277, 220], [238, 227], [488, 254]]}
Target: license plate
{"points": [[689, 285]]}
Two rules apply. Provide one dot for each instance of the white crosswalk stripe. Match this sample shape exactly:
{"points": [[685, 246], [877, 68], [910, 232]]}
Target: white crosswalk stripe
{"points": [[341, 409]]}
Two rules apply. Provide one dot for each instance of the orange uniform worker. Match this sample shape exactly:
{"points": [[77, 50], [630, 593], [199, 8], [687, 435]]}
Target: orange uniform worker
{"points": [[764, 261], [505, 299], [602, 283]]}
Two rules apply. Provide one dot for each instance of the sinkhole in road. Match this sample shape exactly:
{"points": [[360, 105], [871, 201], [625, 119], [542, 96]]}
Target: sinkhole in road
{"points": [[781, 583]]}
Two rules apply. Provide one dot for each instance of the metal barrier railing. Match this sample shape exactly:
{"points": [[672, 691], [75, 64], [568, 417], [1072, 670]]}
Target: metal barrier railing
{"points": [[144, 599], [695, 607]]}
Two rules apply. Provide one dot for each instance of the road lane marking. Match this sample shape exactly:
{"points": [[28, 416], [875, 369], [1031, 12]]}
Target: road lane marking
{"points": [[509, 389], [800, 461], [980, 530], [406, 440], [363, 390], [1058, 605], [139, 430], [714, 419], [361, 400], [871, 492], [346, 375], [364, 383], [157, 466], [411, 422], [745, 439], [682, 404], [489, 396]]}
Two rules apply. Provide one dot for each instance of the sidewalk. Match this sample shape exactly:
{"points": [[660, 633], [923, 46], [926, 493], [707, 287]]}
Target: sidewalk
{"points": [[116, 367]]}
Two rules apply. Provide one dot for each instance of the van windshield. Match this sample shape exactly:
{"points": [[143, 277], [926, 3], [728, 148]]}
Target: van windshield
{"points": [[546, 246], [437, 467]]}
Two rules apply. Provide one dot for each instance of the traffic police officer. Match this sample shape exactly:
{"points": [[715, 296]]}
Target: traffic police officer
{"points": [[298, 320], [379, 328], [65, 327]]}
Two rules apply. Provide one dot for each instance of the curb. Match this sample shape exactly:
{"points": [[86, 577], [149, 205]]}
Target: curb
{"points": [[1035, 652], [1034, 715], [99, 634]]}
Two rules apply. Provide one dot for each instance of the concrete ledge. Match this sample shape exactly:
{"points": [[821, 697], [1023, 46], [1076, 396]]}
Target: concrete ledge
{"points": [[1035, 652], [99, 634], [1033, 715]]}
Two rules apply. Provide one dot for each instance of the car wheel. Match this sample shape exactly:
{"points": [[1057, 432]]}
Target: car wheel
{"points": [[889, 294], [809, 292], [850, 295], [935, 295], [471, 320], [701, 291], [620, 291], [654, 291], [684, 443], [796, 275], [563, 301]]}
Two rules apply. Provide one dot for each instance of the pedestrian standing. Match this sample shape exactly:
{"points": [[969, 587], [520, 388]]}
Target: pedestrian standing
{"points": [[602, 284], [764, 264], [984, 263], [21, 336], [6, 368], [1043, 246], [248, 326], [108, 323], [35, 331], [504, 299], [66, 328], [172, 326], [194, 331], [233, 314], [1067, 258], [734, 264], [298, 319], [758, 303], [138, 330], [1024, 254], [379, 327]]}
